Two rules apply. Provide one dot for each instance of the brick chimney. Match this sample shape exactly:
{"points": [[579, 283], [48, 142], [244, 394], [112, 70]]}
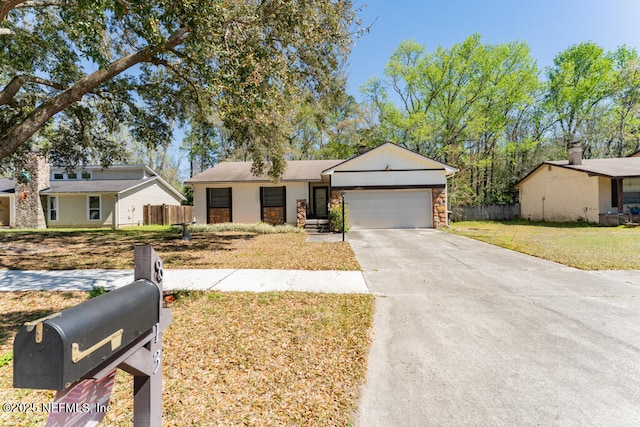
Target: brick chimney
{"points": [[575, 154]]}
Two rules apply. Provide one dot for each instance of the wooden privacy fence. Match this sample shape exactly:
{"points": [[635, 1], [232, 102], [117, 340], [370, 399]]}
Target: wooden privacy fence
{"points": [[167, 214], [486, 212]]}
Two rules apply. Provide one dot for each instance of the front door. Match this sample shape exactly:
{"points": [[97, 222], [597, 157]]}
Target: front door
{"points": [[320, 195]]}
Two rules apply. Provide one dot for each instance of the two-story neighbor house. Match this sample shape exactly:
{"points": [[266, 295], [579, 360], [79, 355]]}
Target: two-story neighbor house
{"points": [[91, 196]]}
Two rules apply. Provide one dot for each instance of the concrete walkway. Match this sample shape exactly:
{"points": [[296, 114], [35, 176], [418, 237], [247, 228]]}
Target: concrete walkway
{"points": [[206, 280]]}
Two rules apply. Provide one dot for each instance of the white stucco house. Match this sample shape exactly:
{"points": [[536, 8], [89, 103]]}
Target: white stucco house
{"points": [[386, 187], [594, 190], [91, 196]]}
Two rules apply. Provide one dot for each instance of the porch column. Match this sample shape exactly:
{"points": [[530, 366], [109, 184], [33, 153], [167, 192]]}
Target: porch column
{"points": [[301, 210], [620, 195]]}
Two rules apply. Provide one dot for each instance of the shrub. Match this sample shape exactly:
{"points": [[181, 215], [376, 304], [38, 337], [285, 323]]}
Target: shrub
{"points": [[257, 228], [335, 219]]}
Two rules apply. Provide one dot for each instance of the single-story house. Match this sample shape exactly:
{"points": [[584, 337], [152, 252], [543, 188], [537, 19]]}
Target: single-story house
{"points": [[386, 187], [91, 196], [594, 190]]}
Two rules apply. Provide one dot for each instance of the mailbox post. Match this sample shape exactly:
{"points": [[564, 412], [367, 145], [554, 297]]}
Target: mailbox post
{"points": [[120, 329]]}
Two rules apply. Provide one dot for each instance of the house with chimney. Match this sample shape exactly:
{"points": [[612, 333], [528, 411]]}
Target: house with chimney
{"points": [[604, 191], [44, 196]]}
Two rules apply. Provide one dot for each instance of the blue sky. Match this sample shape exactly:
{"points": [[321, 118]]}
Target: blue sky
{"points": [[548, 27]]}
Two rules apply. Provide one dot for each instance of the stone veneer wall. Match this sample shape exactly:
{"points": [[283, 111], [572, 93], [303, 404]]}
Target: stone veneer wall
{"points": [[29, 209], [301, 213], [439, 202], [336, 198], [273, 216], [219, 215]]}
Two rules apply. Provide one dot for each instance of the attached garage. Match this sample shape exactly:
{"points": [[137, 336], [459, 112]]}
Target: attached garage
{"points": [[397, 208], [392, 187], [386, 187]]}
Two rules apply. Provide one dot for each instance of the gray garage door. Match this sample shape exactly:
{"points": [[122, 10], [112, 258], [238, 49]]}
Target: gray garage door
{"points": [[389, 208]]}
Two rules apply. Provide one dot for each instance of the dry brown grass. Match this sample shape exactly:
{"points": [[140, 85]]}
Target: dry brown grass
{"points": [[231, 358], [113, 249]]}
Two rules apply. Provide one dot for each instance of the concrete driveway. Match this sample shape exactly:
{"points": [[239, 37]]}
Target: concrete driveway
{"points": [[466, 333]]}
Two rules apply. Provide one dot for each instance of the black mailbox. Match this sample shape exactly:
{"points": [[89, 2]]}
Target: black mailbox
{"points": [[55, 351]]}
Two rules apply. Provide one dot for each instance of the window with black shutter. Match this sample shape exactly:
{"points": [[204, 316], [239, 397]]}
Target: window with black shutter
{"points": [[273, 197], [219, 197]]}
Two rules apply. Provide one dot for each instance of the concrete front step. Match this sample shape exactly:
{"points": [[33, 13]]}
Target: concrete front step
{"points": [[316, 226]]}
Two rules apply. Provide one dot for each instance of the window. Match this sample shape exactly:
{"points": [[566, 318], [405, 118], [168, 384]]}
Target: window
{"points": [[95, 208], [219, 197], [273, 197], [52, 208], [71, 175]]}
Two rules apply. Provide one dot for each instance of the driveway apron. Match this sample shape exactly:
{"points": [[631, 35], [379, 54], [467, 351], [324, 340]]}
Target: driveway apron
{"points": [[466, 333]]}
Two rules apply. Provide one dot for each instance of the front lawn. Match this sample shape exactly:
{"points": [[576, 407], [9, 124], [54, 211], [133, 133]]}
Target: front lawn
{"points": [[583, 246], [238, 247], [229, 358]]}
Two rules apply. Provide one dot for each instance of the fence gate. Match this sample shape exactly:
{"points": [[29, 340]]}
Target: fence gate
{"points": [[167, 214]]}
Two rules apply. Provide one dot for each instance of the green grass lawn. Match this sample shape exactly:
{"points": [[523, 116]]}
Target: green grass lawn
{"points": [[577, 245]]}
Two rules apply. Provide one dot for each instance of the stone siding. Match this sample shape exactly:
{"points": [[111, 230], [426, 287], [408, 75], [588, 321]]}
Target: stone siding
{"points": [[336, 198], [439, 202], [301, 213], [219, 215], [32, 176], [273, 216]]}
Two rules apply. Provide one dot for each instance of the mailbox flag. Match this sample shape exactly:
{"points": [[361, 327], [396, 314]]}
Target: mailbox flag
{"points": [[84, 404]]}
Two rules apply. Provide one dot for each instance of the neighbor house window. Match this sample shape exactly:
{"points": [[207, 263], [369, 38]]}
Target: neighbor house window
{"points": [[52, 208], [95, 208], [70, 175]]}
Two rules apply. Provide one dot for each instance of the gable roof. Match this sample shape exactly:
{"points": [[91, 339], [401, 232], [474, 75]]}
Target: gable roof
{"points": [[95, 186], [420, 158], [296, 170], [619, 167]]}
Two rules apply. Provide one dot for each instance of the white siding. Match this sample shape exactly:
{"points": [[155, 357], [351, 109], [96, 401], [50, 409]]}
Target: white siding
{"points": [[389, 156], [131, 202], [245, 200], [395, 178], [73, 211]]}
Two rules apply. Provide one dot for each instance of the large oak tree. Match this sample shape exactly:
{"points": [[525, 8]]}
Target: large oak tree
{"points": [[73, 73]]}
